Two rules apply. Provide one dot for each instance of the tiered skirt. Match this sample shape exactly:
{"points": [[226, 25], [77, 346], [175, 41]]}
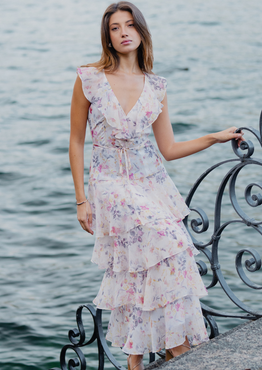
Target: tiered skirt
{"points": [[151, 283]]}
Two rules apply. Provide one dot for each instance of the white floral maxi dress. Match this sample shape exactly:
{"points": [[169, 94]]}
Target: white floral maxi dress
{"points": [[151, 282]]}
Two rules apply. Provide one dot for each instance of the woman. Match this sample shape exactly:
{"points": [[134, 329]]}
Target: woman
{"points": [[151, 283]]}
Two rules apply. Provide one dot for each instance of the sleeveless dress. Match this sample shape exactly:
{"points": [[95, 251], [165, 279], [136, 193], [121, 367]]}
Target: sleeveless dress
{"points": [[151, 282]]}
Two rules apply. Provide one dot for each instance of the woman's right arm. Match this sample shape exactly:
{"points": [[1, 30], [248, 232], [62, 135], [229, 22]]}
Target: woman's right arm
{"points": [[79, 114]]}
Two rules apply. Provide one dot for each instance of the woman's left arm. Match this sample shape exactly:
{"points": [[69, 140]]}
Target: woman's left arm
{"points": [[171, 150]]}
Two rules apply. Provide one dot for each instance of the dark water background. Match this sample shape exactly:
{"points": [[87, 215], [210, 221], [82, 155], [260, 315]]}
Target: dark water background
{"points": [[211, 54]]}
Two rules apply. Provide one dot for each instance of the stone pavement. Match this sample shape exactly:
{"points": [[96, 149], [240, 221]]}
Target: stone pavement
{"points": [[237, 349]]}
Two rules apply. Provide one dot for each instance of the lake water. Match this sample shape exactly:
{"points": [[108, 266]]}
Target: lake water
{"points": [[210, 53]]}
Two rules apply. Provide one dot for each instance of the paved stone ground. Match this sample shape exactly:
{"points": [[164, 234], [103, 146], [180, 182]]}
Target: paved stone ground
{"points": [[238, 349]]}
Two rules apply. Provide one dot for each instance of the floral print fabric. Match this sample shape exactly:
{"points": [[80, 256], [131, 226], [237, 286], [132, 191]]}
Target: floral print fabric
{"points": [[151, 283]]}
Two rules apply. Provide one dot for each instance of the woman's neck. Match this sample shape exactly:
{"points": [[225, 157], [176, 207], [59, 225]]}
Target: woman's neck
{"points": [[128, 64]]}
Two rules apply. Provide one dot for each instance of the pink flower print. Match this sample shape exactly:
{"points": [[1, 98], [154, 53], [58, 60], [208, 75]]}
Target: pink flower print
{"points": [[130, 291], [123, 201], [185, 274], [148, 114], [172, 272], [129, 344], [161, 233], [180, 244], [115, 230], [144, 208], [100, 168], [115, 195], [90, 110], [137, 221], [177, 306], [140, 300]]}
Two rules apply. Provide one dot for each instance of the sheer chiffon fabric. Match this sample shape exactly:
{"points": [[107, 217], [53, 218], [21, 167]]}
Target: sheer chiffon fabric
{"points": [[151, 282]]}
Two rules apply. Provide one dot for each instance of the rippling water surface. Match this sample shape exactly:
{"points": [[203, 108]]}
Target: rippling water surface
{"points": [[211, 54]]}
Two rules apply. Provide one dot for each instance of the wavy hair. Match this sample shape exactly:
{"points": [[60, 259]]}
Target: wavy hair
{"points": [[109, 59]]}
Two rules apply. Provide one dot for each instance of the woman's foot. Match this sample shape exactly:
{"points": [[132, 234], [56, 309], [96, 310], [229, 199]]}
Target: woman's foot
{"points": [[176, 351], [135, 362]]}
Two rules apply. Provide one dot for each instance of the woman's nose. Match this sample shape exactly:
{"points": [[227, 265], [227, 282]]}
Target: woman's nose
{"points": [[124, 32]]}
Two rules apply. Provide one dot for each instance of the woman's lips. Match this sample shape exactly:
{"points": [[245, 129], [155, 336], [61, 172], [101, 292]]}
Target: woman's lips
{"points": [[126, 42]]}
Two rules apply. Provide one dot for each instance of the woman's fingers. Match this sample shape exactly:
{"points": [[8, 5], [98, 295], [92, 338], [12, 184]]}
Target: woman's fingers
{"points": [[86, 227], [84, 216], [229, 134]]}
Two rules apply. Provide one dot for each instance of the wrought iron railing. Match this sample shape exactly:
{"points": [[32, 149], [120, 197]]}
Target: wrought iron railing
{"points": [[199, 225]]}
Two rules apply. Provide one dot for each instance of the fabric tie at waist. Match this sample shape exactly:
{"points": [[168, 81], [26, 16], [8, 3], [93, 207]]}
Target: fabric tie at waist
{"points": [[121, 151]]}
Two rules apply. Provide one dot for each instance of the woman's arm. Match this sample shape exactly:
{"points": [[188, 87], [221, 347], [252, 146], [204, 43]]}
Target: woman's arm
{"points": [[79, 114], [172, 150]]}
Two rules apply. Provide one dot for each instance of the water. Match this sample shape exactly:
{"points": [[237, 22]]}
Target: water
{"points": [[211, 54]]}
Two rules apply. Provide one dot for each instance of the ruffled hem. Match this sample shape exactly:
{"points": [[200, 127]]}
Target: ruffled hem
{"points": [[139, 332], [142, 247], [119, 205], [171, 279]]}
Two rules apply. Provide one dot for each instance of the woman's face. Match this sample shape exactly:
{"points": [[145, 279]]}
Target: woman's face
{"points": [[124, 37]]}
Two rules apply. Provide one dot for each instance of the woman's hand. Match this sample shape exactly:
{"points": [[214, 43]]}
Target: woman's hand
{"points": [[84, 216], [228, 134]]}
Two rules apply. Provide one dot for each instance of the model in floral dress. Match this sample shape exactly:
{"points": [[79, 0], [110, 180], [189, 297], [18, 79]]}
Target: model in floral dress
{"points": [[140, 239], [151, 283]]}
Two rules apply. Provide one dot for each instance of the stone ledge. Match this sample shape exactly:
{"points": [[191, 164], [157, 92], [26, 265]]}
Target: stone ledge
{"points": [[237, 349]]}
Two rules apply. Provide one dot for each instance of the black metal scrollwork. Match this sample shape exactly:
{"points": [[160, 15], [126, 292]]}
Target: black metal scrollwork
{"points": [[199, 225], [244, 153], [77, 338], [252, 265]]}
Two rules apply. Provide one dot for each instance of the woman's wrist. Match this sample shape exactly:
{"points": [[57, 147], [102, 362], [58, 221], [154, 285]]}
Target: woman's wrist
{"points": [[81, 202], [212, 138]]}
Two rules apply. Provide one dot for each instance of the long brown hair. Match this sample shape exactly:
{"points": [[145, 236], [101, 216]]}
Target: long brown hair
{"points": [[109, 58]]}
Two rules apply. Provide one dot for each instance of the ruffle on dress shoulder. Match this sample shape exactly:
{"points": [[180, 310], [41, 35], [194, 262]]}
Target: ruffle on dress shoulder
{"points": [[158, 85], [150, 104], [91, 82]]}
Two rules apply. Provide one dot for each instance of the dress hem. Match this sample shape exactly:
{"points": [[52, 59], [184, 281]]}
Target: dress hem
{"points": [[150, 309], [192, 248]]}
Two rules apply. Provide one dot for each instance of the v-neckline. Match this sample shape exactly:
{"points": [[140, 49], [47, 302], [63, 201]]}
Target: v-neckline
{"points": [[120, 106]]}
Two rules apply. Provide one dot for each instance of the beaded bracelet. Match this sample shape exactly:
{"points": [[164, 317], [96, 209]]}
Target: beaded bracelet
{"points": [[79, 204]]}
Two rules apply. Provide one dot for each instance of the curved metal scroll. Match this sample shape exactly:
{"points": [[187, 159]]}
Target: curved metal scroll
{"points": [[77, 338], [253, 198]]}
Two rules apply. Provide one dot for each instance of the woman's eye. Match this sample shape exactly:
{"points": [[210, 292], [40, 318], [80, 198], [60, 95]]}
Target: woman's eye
{"points": [[131, 25], [113, 29]]}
